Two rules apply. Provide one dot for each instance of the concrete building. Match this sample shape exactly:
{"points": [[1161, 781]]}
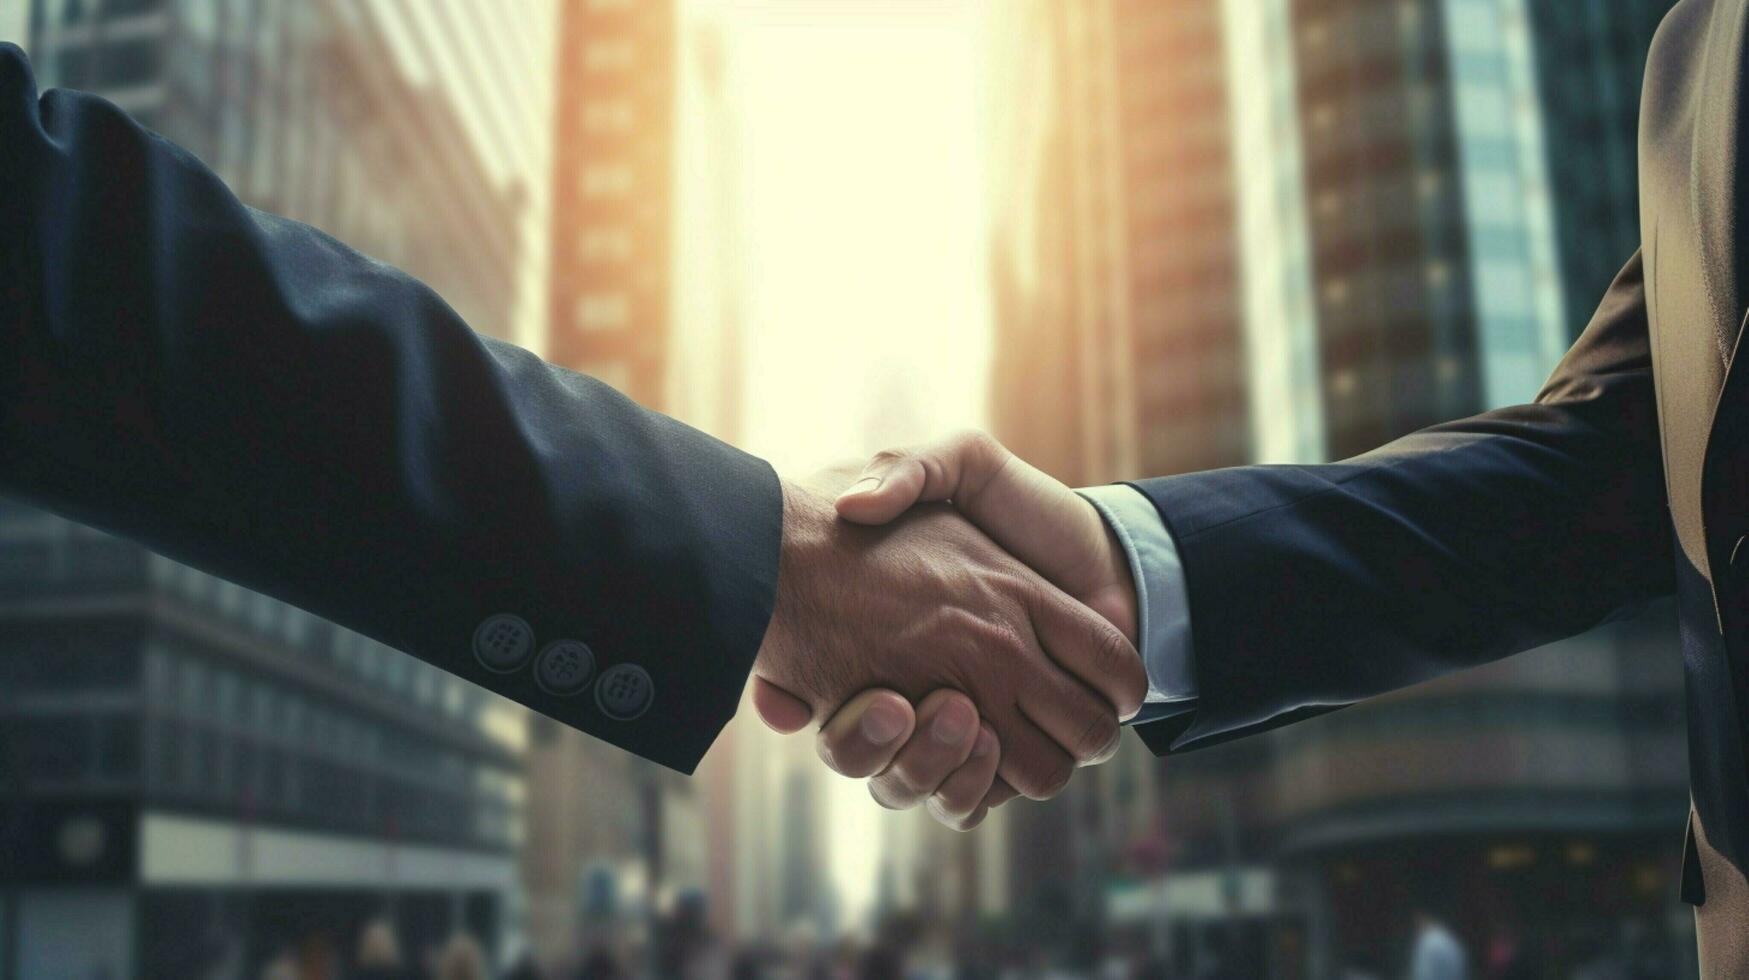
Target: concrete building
{"points": [[197, 775]]}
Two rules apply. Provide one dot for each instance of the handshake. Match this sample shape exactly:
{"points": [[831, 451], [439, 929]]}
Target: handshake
{"points": [[960, 625]]}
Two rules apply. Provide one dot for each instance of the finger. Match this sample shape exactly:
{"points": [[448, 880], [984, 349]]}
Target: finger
{"points": [[1078, 720], [1086, 645], [1007, 497], [895, 479], [1033, 516], [1032, 762], [863, 735], [956, 800], [780, 710], [999, 794], [947, 728]]}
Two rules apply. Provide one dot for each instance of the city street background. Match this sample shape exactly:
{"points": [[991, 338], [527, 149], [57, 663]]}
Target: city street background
{"points": [[1129, 237]]}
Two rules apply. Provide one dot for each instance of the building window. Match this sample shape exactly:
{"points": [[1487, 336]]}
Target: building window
{"points": [[606, 181], [609, 54], [614, 374], [602, 311], [605, 244], [295, 627], [130, 8], [128, 63], [608, 116], [193, 688], [262, 611], [227, 696]]}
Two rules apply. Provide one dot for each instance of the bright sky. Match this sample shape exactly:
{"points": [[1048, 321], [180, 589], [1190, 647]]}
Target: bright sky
{"points": [[867, 313], [865, 281]]}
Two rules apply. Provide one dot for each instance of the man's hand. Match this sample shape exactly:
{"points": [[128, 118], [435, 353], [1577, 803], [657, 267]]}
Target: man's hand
{"points": [[1033, 516], [928, 603]]}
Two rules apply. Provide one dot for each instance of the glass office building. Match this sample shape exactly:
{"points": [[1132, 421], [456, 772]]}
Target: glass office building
{"points": [[196, 776], [1410, 207]]}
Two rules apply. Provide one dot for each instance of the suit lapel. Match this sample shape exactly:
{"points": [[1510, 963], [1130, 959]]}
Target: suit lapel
{"points": [[1715, 193]]}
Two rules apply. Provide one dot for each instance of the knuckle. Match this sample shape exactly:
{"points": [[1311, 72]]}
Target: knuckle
{"points": [[910, 775], [890, 455], [828, 754], [878, 791], [840, 760], [1096, 737], [973, 637], [935, 471], [974, 442], [1048, 779], [1119, 662], [945, 806]]}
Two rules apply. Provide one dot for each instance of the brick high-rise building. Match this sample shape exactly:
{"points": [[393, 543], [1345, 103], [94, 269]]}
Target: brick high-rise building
{"points": [[1348, 219], [612, 257]]}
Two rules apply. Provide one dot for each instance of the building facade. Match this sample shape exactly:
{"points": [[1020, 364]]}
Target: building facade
{"points": [[600, 821], [612, 193], [1406, 208], [197, 776]]}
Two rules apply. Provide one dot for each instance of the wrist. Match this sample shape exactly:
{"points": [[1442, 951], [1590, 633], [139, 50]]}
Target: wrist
{"points": [[1111, 586], [1123, 609], [806, 517]]}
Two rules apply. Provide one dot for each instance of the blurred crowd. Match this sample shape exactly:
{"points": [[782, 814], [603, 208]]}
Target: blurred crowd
{"points": [[904, 949]]}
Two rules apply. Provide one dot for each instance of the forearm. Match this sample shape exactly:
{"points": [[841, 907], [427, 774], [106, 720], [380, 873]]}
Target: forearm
{"points": [[1312, 587], [247, 395]]}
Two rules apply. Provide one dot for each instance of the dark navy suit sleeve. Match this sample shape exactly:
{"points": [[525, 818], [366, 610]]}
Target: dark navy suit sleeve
{"points": [[249, 396], [1312, 587]]}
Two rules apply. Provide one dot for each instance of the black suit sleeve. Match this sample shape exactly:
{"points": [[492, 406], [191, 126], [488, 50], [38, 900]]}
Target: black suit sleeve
{"points": [[249, 396], [1312, 587]]}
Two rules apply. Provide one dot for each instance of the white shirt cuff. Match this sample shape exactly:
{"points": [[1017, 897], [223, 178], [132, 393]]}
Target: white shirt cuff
{"points": [[1162, 603]]}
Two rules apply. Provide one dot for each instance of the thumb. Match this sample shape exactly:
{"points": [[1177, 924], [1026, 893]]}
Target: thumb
{"points": [[1032, 515], [896, 479]]}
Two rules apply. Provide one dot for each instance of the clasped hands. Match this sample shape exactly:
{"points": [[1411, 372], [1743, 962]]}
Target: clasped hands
{"points": [[961, 626]]}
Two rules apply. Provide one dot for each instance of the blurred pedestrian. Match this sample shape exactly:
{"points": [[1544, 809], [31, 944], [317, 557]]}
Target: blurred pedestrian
{"points": [[880, 962], [599, 964], [745, 966], [1220, 957], [281, 967], [379, 953], [1437, 955], [317, 959], [461, 959], [525, 967]]}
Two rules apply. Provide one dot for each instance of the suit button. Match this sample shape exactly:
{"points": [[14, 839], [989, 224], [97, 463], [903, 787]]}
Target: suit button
{"points": [[1740, 555], [624, 692], [502, 643], [564, 667]]}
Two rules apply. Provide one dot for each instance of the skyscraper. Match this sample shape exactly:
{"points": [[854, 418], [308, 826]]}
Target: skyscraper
{"points": [[199, 775], [1462, 200], [1120, 344], [609, 315], [1410, 206], [612, 193]]}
